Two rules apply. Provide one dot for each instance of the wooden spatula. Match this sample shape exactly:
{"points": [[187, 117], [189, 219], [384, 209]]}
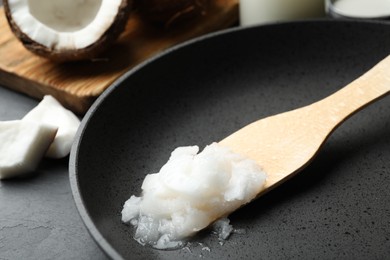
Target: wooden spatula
{"points": [[284, 144]]}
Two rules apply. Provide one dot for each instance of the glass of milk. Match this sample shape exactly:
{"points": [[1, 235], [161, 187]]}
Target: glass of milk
{"points": [[361, 9], [268, 11]]}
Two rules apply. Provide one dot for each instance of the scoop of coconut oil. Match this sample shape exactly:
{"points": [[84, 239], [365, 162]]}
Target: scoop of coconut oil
{"points": [[191, 191]]}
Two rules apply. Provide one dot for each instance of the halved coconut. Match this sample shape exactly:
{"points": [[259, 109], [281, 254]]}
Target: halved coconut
{"points": [[67, 29], [169, 12]]}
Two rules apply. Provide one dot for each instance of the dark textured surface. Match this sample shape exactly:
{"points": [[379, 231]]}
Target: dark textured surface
{"points": [[38, 217], [338, 207]]}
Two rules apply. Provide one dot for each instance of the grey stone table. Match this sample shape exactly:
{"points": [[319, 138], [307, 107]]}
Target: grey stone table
{"points": [[38, 217]]}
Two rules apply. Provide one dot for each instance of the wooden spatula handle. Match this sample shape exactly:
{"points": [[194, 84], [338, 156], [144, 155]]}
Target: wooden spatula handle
{"points": [[372, 85], [283, 144]]}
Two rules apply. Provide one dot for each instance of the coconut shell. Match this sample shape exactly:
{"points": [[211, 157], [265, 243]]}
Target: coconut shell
{"points": [[171, 12], [89, 52]]}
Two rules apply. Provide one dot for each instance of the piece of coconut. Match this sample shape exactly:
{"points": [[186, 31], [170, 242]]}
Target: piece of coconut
{"points": [[50, 111], [65, 30], [23, 144]]}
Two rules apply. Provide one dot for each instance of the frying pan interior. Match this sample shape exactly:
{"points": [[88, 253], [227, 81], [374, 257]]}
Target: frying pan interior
{"points": [[203, 91]]}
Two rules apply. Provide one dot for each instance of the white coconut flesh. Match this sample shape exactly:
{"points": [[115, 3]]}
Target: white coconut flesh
{"points": [[23, 144], [49, 111], [64, 24]]}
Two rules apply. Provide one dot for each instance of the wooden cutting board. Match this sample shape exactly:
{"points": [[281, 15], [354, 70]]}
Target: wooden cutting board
{"points": [[76, 85]]}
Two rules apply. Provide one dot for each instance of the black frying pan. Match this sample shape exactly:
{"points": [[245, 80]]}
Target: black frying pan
{"points": [[338, 207]]}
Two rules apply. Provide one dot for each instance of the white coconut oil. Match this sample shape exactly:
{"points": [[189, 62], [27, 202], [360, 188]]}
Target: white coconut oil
{"points": [[363, 8], [191, 191]]}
